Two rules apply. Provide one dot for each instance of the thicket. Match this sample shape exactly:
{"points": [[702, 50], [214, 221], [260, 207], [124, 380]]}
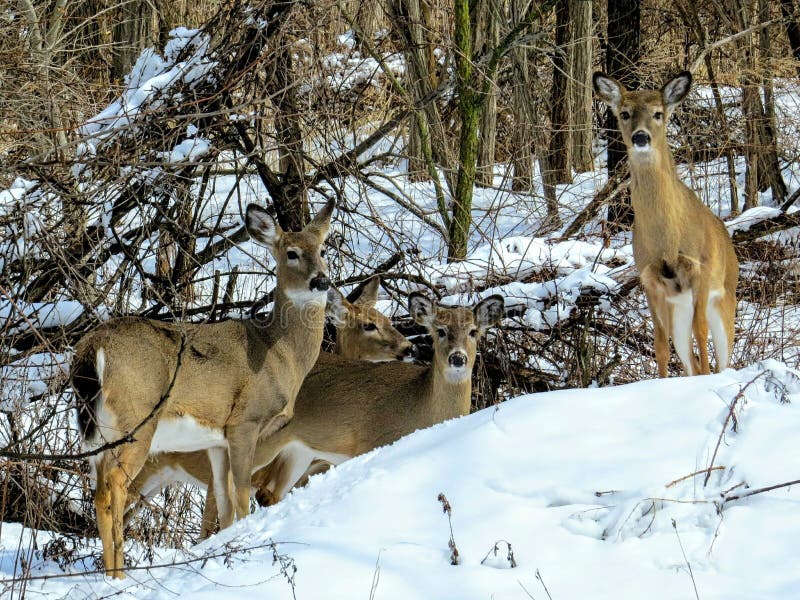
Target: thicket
{"points": [[119, 208]]}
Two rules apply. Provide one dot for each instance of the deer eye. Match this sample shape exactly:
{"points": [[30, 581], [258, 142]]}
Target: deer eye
{"points": [[624, 115], [322, 252], [473, 333], [369, 327], [292, 255], [441, 332], [658, 116]]}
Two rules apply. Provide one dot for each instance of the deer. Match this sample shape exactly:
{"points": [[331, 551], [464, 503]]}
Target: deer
{"points": [[682, 250], [347, 408], [362, 333], [144, 386]]}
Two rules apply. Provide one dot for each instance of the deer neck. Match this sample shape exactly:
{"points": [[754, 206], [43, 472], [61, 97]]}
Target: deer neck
{"points": [[297, 329], [659, 201], [444, 399]]}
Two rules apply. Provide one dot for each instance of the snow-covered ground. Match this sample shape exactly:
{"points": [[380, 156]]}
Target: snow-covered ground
{"points": [[592, 488]]}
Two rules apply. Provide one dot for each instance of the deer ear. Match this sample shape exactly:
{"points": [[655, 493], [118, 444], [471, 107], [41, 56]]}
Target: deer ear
{"points": [[261, 226], [322, 221], [421, 309], [675, 90], [336, 308], [368, 295], [608, 89], [489, 311]]}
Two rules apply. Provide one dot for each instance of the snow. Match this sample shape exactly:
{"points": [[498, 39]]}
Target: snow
{"points": [[584, 484], [591, 488]]}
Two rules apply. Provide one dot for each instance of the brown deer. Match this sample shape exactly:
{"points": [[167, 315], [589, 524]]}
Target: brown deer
{"points": [[683, 252], [362, 333], [347, 408], [157, 387]]}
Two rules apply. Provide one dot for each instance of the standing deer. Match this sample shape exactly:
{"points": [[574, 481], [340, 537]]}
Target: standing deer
{"points": [[346, 408], [683, 252], [362, 333], [157, 387]]}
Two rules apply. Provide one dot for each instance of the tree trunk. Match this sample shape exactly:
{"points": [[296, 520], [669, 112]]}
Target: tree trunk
{"points": [[688, 10], [370, 17], [770, 168], [490, 23], [791, 17], [522, 158], [622, 60], [469, 113], [292, 207], [136, 28], [559, 157], [410, 24], [579, 85], [763, 169]]}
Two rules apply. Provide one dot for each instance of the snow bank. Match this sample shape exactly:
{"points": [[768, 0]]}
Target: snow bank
{"points": [[584, 484]]}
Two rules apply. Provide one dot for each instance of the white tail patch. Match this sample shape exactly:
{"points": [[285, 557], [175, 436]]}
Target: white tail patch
{"points": [[682, 313], [100, 365], [106, 429], [717, 327]]}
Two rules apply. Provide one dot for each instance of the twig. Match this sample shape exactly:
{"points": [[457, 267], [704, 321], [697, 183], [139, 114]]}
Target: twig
{"points": [[725, 425], [447, 509], [790, 200], [691, 574], [526, 590], [546, 591], [496, 548], [690, 475], [376, 576], [199, 559], [613, 187], [731, 38], [761, 490]]}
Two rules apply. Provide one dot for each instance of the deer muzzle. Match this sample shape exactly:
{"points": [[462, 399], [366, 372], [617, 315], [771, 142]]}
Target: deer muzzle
{"points": [[320, 283], [641, 139], [457, 360]]}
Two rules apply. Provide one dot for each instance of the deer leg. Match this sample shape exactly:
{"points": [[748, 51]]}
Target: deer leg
{"points": [[682, 306], [219, 498], [241, 445], [299, 458], [119, 475], [209, 522], [102, 505], [660, 313], [721, 319], [700, 329]]}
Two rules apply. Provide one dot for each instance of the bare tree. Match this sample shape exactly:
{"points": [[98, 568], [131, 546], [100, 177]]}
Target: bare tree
{"points": [[579, 84], [622, 60], [488, 37]]}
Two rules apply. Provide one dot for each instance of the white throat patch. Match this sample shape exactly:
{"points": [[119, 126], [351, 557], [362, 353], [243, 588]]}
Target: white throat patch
{"points": [[305, 297]]}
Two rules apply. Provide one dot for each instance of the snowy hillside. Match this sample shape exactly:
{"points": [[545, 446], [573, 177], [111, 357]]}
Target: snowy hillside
{"points": [[593, 490]]}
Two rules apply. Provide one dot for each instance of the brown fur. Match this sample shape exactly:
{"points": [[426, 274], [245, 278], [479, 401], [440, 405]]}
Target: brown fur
{"points": [[347, 408], [679, 245], [362, 332], [350, 407], [237, 378]]}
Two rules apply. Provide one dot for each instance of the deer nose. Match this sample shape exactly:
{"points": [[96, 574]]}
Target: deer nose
{"points": [[320, 283], [408, 351], [640, 138], [458, 359]]}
